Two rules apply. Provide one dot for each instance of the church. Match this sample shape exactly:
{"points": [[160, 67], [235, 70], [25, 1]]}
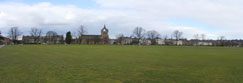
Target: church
{"points": [[96, 39]]}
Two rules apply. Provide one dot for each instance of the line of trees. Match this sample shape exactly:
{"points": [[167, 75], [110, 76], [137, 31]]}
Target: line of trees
{"points": [[36, 33], [78, 33], [14, 33], [138, 34]]}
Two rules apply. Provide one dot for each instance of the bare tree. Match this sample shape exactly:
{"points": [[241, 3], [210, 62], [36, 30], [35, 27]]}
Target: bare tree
{"points": [[153, 35], [203, 36], [165, 37], [177, 34], [199, 36], [196, 37], [81, 30], [222, 40], [75, 35], [138, 34], [36, 34], [51, 36], [14, 33], [120, 38]]}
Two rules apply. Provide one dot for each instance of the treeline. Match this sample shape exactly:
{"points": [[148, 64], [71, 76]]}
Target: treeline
{"points": [[36, 34], [138, 37], [152, 37]]}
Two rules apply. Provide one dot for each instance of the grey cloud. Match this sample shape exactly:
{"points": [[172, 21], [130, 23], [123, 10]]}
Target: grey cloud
{"points": [[150, 14]]}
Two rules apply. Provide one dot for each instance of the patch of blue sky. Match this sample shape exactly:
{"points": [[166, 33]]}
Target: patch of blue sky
{"points": [[77, 3], [193, 23]]}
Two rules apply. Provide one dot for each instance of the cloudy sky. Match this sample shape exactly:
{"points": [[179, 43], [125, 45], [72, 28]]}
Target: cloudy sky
{"points": [[211, 17]]}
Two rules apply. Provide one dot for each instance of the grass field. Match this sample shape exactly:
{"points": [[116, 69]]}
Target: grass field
{"points": [[120, 64]]}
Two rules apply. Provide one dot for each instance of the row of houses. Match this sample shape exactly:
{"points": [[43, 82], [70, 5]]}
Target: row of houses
{"points": [[103, 38], [182, 42], [59, 39]]}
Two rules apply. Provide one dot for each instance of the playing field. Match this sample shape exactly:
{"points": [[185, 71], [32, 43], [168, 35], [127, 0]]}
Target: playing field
{"points": [[120, 64]]}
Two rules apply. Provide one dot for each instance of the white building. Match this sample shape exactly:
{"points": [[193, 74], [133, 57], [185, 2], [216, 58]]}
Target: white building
{"points": [[201, 43], [178, 43], [126, 41], [160, 41], [145, 42]]}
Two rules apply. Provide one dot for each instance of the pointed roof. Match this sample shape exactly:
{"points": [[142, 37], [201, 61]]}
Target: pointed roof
{"points": [[104, 26], [104, 29]]}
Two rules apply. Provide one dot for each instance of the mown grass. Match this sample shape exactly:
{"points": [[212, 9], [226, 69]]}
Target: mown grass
{"points": [[120, 64]]}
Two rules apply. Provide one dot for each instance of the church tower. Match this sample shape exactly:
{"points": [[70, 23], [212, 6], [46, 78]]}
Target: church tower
{"points": [[104, 35]]}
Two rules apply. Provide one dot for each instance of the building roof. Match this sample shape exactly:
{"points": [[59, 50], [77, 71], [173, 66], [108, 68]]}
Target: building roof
{"points": [[1, 37]]}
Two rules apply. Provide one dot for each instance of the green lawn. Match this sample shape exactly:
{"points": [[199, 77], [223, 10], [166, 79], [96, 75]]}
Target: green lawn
{"points": [[120, 64]]}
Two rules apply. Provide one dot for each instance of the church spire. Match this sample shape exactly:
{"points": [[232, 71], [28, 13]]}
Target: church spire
{"points": [[104, 26], [104, 29]]}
